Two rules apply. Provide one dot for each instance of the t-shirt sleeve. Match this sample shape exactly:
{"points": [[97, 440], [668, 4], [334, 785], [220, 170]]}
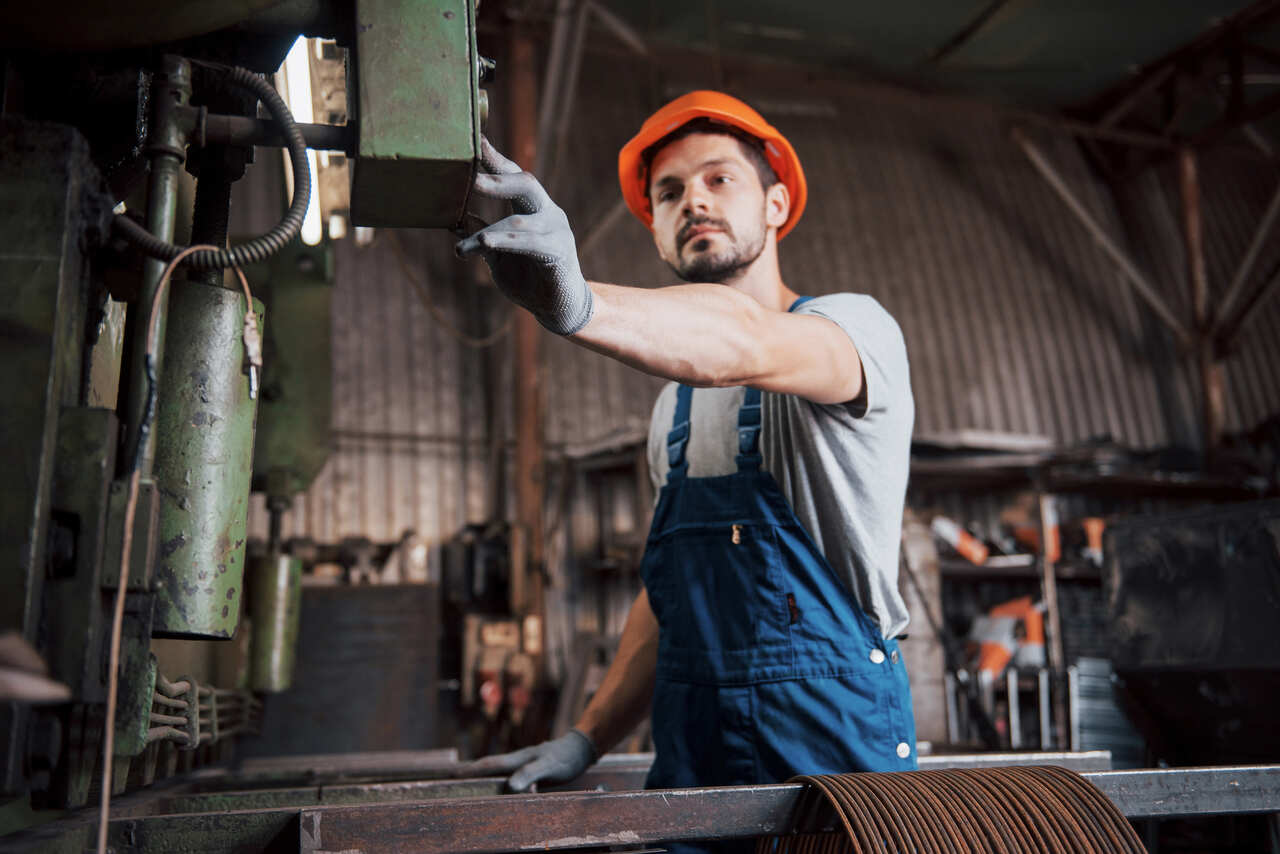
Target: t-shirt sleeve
{"points": [[659, 426], [878, 340]]}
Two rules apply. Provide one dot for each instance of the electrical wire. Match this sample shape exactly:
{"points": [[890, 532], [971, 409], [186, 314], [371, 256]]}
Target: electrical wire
{"points": [[443, 322], [262, 247], [130, 510], [1005, 810]]}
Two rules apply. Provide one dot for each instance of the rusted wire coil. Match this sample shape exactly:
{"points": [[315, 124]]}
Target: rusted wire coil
{"points": [[1003, 810]]}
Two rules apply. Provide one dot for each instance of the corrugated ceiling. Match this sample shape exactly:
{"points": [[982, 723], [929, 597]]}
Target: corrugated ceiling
{"points": [[1034, 52]]}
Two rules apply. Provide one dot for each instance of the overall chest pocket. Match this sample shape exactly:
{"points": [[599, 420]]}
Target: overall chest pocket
{"points": [[719, 587]]}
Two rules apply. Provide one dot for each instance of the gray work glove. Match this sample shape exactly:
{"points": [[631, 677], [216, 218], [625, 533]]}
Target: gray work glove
{"points": [[531, 254], [557, 761]]}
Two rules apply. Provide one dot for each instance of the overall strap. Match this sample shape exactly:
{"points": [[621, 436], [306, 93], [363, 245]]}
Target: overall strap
{"points": [[749, 419], [678, 438], [749, 431]]}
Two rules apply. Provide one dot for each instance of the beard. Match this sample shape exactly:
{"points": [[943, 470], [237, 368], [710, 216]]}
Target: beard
{"points": [[722, 265]]}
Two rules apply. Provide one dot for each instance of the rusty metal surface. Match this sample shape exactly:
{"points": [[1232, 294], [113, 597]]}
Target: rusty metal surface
{"points": [[960, 809], [568, 820], [586, 820]]}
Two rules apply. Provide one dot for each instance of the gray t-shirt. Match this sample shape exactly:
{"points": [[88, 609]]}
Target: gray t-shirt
{"points": [[842, 467]]}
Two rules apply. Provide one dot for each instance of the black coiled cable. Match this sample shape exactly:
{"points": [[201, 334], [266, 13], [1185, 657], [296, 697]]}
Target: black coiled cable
{"points": [[260, 248]]}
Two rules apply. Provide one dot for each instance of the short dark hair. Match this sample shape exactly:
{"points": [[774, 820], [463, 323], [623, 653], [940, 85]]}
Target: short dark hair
{"points": [[752, 148]]}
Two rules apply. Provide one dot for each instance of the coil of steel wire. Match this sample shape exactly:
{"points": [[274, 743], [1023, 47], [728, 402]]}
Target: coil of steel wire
{"points": [[1005, 810]]}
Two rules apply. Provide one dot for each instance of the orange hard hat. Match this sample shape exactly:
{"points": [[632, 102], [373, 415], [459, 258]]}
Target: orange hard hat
{"points": [[721, 108]]}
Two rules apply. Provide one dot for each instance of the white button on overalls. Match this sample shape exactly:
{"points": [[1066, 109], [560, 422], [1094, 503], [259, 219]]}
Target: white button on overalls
{"points": [[904, 750], [877, 656]]}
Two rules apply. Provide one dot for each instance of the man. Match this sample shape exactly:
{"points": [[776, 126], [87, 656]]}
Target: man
{"points": [[765, 632]]}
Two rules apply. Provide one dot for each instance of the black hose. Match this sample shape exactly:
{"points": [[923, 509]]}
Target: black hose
{"points": [[260, 248]]}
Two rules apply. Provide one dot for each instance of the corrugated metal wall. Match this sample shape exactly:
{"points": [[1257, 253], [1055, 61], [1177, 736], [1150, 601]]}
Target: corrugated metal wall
{"points": [[1014, 321]]}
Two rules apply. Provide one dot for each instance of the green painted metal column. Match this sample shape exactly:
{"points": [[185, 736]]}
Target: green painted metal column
{"points": [[275, 604], [204, 462]]}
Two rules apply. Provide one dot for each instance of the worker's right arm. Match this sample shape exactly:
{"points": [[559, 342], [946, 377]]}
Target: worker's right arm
{"points": [[624, 696], [618, 705]]}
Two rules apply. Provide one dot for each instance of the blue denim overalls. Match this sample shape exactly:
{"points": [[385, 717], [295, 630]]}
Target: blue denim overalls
{"points": [[767, 666]]}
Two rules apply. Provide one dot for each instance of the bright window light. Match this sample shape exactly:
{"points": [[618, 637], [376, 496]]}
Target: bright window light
{"points": [[297, 75]]}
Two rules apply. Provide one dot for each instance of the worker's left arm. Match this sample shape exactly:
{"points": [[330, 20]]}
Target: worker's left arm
{"points": [[711, 335], [700, 334]]}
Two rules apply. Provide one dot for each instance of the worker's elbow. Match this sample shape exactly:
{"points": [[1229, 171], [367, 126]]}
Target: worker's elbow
{"points": [[739, 355]]}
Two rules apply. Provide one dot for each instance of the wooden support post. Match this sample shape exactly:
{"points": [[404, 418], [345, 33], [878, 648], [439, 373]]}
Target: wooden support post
{"points": [[1211, 376]]}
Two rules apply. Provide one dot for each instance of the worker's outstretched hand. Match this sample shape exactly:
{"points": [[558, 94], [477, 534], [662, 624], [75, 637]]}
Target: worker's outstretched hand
{"points": [[531, 254], [557, 761]]}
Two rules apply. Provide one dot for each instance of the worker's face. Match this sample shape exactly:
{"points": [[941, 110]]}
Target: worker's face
{"points": [[711, 216]]}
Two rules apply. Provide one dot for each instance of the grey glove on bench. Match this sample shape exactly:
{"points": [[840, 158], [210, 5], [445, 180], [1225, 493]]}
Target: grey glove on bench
{"points": [[557, 761], [531, 254]]}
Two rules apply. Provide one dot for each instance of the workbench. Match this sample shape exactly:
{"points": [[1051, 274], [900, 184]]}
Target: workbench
{"points": [[416, 801]]}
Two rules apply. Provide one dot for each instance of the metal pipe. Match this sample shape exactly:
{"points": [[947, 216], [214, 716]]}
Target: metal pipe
{"points": [[953, 708], [1042, 697], [172, 689], [211, 216], [1015, 712], [244, 131], [1073, 706], [1118, 256], [166, 144], [1053, 617]]}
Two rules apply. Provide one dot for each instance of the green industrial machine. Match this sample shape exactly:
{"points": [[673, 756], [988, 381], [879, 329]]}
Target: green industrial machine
{"points": [[415, 60], [204, 459], [110, 162]]}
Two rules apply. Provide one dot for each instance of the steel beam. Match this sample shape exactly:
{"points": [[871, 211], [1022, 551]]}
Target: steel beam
{"points": [[1250, 309], [1245, 270], [574, 820], [614, 771], [1121, 259], [377, 817]]}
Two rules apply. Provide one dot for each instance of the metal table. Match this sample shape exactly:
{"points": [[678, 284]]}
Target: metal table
{"points": [[266, 808]]}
